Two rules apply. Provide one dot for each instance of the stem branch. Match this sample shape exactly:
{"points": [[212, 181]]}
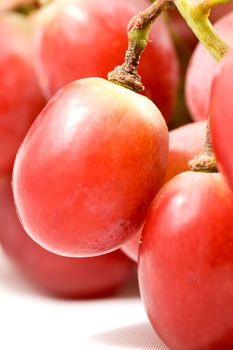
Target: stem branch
{"points": [[138, 36], [196, 15]]}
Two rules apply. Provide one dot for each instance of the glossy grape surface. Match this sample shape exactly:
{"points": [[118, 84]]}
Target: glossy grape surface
{"points": [[186, 263], [89, 168]]}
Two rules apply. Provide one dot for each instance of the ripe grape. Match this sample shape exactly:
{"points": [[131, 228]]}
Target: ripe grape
{"points": [[78, 39], [186, 263], [89, 168]]}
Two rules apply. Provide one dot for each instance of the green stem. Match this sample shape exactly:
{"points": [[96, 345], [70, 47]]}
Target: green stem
{"points": [[196, 17]]}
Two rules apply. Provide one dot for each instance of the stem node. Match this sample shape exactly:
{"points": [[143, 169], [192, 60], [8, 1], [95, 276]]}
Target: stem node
{"points": [[205, 161], [127, 79]]}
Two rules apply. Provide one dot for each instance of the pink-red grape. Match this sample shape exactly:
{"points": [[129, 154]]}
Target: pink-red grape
{"points": [[78, 39], [186, 263], [89, 168]]}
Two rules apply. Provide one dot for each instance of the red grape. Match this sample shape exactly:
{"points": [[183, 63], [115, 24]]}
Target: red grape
{"points": [[186, 263], [221, 121], [67, 277], [90, 167], [78, 39], [20, 97], [201, 71]]}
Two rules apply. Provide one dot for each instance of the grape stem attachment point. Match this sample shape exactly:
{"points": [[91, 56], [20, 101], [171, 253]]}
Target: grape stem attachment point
{"points": [[138, 36]]}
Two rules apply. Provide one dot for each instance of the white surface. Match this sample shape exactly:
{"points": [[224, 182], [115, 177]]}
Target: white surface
{"points": [[31, 321]]}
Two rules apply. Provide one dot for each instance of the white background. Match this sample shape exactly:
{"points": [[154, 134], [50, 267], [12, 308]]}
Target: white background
{"points": [[33, 321]]}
